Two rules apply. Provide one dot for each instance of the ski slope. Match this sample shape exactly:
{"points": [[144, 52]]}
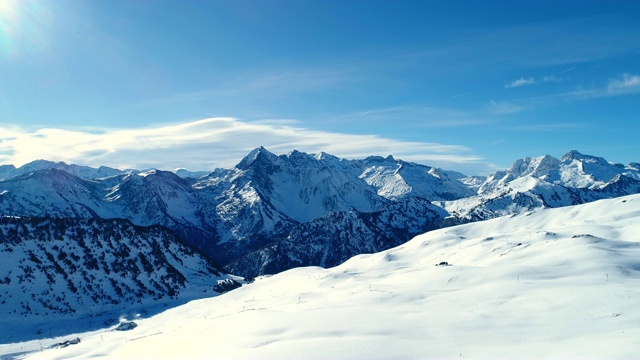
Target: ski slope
{"points": [[557, 283]]}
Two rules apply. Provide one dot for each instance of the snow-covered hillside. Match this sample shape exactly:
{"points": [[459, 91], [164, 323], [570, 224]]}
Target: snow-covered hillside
{"points": [[89, 270], [552, 283]]}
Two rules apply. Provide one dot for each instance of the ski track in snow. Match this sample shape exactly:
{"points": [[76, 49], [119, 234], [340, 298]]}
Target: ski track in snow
{"points": [[557, 283]]}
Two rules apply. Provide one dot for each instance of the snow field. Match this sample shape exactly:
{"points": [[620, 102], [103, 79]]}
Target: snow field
{"points": [[557, 283]]}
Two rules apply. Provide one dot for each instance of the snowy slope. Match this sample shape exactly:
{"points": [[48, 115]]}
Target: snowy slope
{"points": [[160, 198], [396, 179], [555, 283], [70, 269], [53, 192]]}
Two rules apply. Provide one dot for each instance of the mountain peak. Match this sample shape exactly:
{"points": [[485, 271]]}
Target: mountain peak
{"points": [[324, 156], [573, 154], [380, 159], [256, 154], [576, 155]]}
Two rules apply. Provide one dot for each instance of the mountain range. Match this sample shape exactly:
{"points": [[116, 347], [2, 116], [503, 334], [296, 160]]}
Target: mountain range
{"points": [[75, 238], [270, 213]]}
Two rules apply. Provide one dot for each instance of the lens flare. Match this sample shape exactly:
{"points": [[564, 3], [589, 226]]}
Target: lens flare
{"points": [[8, 25], [23, 26]]}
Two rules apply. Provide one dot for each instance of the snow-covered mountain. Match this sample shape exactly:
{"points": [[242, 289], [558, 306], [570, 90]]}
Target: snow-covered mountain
{"points": [[270, 212], [551, 283], [149, 198], [54, 269], [300, 186], [163, 198], [265, 197], [55, 193], [396, 179], [546, 182], [574, 170], [85, 172]]}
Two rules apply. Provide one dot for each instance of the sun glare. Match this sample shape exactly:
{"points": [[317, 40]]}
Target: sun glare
{"points": [[5, 5], [8, 24], [24, 27], [8, 11]]}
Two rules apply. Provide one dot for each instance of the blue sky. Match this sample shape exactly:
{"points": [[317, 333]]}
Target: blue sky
{"points": [[463, 85]]}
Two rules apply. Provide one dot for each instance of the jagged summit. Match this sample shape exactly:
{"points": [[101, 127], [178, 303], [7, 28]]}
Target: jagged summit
{"points": [[539, 167], [590, 171], [574, 170], [324, 156], [577, 155], [260, 155], [545, 181], [380, 159]]}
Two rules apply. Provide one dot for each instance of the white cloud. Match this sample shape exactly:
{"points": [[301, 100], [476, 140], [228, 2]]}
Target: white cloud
{"points": [[209, 143], [521, 82], [624, 85], [628, 82]]}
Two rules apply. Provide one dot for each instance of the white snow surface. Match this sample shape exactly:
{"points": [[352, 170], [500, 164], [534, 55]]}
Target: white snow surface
{"points": [[554, 283]]}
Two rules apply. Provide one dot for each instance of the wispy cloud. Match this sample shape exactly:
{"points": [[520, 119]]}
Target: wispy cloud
{"points": [[547, 127], [263, 83], [626, 83], [552, 78], [505, 107], [422, 117], [544, 79], [532, 81], [461, 94], [623, 85], [210, 143], [520, 82]]}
